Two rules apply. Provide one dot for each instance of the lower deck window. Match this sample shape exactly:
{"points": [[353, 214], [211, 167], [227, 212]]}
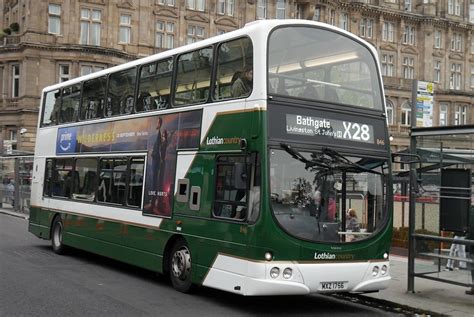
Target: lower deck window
{"points": [[231, 188], [112, 180], [86, 179]]}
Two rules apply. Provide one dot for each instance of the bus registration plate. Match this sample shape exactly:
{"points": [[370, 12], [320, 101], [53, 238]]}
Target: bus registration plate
{"points": [[332, 286]]}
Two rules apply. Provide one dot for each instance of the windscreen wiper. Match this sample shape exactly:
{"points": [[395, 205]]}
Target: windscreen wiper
{"points": [[328, 159], [338, 161], [297, 155]]}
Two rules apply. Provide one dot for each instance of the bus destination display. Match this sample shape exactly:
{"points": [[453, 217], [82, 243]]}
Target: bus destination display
{"points": [[331, 128], [309, 126]]}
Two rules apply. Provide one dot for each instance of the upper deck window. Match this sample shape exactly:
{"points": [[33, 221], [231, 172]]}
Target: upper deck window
{"points": [[93, 98], [52, 104], [121, 92], [234, 65], [193, 79], [154, 85], [317, 64]]}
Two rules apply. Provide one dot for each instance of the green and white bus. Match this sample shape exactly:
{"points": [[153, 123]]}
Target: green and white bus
{"points": [[255, 162]]}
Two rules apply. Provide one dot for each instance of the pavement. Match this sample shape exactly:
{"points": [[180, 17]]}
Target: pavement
{"points": [[430, 297]]}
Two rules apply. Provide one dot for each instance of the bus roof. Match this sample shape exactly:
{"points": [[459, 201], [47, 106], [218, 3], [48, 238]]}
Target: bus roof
{"points": [[250, 29]]}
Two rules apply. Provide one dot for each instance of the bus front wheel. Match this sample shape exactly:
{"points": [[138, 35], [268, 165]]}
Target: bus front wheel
{"points": [[180, 266], [57, 236]]}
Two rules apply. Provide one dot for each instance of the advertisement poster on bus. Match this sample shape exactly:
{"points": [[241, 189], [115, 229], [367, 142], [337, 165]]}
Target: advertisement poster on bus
{"points": [[117, 136], [167, 134]]}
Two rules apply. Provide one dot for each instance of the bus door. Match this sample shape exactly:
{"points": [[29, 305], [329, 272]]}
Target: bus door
{"points": [[211, 201]]}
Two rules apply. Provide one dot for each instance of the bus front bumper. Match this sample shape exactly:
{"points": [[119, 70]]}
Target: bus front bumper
{"points": [[252, 278]]}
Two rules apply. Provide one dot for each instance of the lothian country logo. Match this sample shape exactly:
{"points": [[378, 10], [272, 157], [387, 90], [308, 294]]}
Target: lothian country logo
{"points": [[324, 256], [215, 140]]}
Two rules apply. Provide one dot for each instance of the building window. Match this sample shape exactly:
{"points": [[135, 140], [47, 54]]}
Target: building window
{"points": [[195, 34], [125, 28], [472, 76], [457, 7], [344, 21], [89, 69], [471, 12], [261, 9], [387, 65], [390, 113], [54, 19], [388, 32], [409, 35], [460, 115], [197, 5], [225, 7], [12, 135], [15, 81], [455, 76], [299, 11], [280, 9], [456, 42], [170, 3], [406, 114], [317, 14], [408, 67], [64, 74], [366, 28], [164, 34], [437, 72], [443, 114], [90, 26], [437, 37], [332, 17], [407, 6]]}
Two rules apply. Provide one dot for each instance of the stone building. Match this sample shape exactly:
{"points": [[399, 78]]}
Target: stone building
{"points": [[53, 40]]}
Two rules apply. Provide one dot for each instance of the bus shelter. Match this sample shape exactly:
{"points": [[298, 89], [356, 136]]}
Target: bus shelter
{"points": [[441, 206], [15, 182]]}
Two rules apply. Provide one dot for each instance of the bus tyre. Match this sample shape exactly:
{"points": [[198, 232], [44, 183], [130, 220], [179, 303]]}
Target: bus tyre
{"points": [[180, 266], [57, 236]]}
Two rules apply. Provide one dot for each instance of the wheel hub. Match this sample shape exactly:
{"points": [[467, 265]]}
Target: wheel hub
{"points": [[181, 263]]}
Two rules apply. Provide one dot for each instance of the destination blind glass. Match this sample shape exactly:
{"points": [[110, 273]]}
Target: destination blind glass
{"points": [[314, 126]]}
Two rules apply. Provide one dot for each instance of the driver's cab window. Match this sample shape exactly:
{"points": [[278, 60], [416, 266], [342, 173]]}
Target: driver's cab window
{"points": [[232, 185]]}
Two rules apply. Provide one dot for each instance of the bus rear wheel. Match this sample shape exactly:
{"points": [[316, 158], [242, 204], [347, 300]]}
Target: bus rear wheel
{"points": [[180, 266], [57, 236]]}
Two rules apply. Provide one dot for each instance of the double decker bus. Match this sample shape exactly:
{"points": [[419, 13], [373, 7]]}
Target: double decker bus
{"points": [[256, 162]]}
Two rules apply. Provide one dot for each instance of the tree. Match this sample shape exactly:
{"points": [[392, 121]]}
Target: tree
{"points": [[15, 27], [302, 188]]}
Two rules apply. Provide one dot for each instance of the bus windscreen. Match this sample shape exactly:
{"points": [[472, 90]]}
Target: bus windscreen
{"points": [[321, 65]]}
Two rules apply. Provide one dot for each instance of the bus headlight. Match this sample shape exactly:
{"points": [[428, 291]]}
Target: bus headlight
{"points": [[274, 272], [375, 271], [287, 273], [384, 270]]}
